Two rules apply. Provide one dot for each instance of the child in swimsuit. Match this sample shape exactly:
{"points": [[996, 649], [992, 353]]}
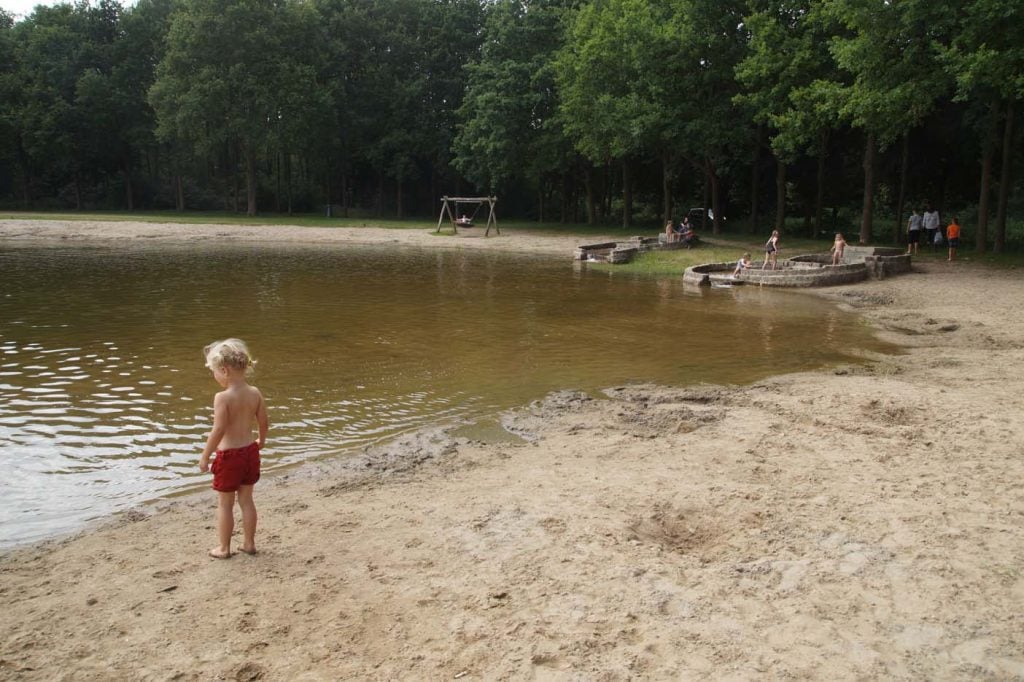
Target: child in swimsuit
{"points": [[837, 249], [236, 467], [741, 265], [771, 250]]}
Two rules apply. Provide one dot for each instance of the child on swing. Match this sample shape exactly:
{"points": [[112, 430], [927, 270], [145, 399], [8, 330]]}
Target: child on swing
{"points": [[236, 466]]}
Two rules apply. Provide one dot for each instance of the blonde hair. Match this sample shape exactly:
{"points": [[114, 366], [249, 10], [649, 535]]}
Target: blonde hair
{"points": [[229, 353]]}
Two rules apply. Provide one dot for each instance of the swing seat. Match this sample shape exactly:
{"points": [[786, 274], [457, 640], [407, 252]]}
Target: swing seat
{"points": [[464, 222]]}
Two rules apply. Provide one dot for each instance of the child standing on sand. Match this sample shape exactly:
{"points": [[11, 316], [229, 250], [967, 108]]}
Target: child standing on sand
{"points": [[837, 249], [953, 237], [236, 467], [771, 250]]}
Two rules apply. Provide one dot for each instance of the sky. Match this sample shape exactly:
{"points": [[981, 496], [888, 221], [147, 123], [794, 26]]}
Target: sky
{"points": [[22, 8]]}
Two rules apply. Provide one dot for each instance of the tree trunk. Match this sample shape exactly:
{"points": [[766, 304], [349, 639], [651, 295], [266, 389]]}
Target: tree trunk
{"points": [[179, 194], [819, 199], [627, 195], [1004, 180], [277, 176], [234, 183], [434, 194], [867, 212], [897, 231], [706, 199], [755, 181], [540, 201], [780, 194], [379, 208], [250, 181], [588, 181], [712, 183], [981, 235], [344, 194], [26, 176], [78, 191], [565, 198], [327, 190], [398, 197], [288, 180], [666, 187], [129, 193]]}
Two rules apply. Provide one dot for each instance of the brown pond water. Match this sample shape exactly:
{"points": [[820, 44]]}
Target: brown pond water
{"points": [[105, 403]]}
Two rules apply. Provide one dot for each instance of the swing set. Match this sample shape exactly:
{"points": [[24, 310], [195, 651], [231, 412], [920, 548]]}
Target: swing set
{"points": [[450, 203]]}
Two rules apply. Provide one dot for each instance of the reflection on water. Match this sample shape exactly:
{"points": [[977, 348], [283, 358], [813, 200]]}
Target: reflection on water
{"points": [[104, 400]]}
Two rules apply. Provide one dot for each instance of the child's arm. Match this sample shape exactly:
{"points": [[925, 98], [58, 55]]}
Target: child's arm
{"points": [[262, 421], [220, 424]]}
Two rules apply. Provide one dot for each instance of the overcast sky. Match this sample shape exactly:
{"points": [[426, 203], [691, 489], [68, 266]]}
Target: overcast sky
{"points": [[22, 8]]}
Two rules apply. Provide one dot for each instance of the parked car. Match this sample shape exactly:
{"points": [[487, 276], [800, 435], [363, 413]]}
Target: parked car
{"points": [[696, 216]]}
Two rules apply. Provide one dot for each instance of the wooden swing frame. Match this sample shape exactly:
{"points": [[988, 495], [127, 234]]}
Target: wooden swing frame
{"points": [[447, 203]]}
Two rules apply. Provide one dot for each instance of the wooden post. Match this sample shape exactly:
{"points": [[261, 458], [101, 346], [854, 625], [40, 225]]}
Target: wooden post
{"points": [[492, 219], [440, 218]]}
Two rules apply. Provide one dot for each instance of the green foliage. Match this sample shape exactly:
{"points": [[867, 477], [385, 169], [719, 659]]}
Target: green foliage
{"points": [[889, 53], [608, 75], [987, 53], [565, 103], [509, 127], [786, 76]]}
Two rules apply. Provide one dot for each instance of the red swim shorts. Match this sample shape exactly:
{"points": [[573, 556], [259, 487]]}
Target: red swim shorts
{"points": [[236, 467]]}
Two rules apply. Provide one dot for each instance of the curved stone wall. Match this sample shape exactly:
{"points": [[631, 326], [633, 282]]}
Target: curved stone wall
{"points": [[801, 271]]}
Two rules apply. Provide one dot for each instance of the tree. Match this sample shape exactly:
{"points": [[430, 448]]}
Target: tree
{"points": [[786, 56], [711, 130], [610, 103], [235, 74], [509, 104], [890, 55], [986, 59]]}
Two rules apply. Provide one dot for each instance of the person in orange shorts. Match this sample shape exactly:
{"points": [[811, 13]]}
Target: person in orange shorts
{"points": [[236, 465], [953, 237]]}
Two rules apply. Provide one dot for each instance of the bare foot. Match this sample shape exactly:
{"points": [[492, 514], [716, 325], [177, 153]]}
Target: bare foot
{"points": [[251, 551], [218, 553]]}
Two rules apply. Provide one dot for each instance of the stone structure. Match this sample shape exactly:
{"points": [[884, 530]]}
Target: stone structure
{"points": [[625, 251], [811, 270]]}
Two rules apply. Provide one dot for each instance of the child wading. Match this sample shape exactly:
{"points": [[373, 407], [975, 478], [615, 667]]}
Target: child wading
{"points": [[236, 466]]}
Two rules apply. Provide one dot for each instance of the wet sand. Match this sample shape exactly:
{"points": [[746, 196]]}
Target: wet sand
{"points": [[861, 522]]}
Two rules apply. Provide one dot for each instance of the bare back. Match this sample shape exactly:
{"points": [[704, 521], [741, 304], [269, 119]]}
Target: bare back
{"points": [[236, 409]]}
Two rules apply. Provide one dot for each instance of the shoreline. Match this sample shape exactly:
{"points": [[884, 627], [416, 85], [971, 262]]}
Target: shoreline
{"points": [[66, 231], [862, 521]]}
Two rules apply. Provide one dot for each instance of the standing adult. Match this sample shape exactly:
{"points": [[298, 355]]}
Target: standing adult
{"points": [[931, 224], [914, 231], [953, 238]]}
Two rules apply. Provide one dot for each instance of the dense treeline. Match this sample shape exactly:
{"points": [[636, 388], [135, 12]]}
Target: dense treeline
{"points": [[570, 110]]}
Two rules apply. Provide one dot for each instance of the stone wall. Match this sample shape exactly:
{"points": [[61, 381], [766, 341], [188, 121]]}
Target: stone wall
{"points": [[791, 273], [881, 267]]}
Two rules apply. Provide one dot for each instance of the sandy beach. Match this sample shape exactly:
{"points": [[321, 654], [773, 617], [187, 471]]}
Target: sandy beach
{"points": [[863, 522]]}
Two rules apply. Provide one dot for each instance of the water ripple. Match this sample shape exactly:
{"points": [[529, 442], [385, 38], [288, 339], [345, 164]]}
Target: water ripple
{"points": [[104, 400]]}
